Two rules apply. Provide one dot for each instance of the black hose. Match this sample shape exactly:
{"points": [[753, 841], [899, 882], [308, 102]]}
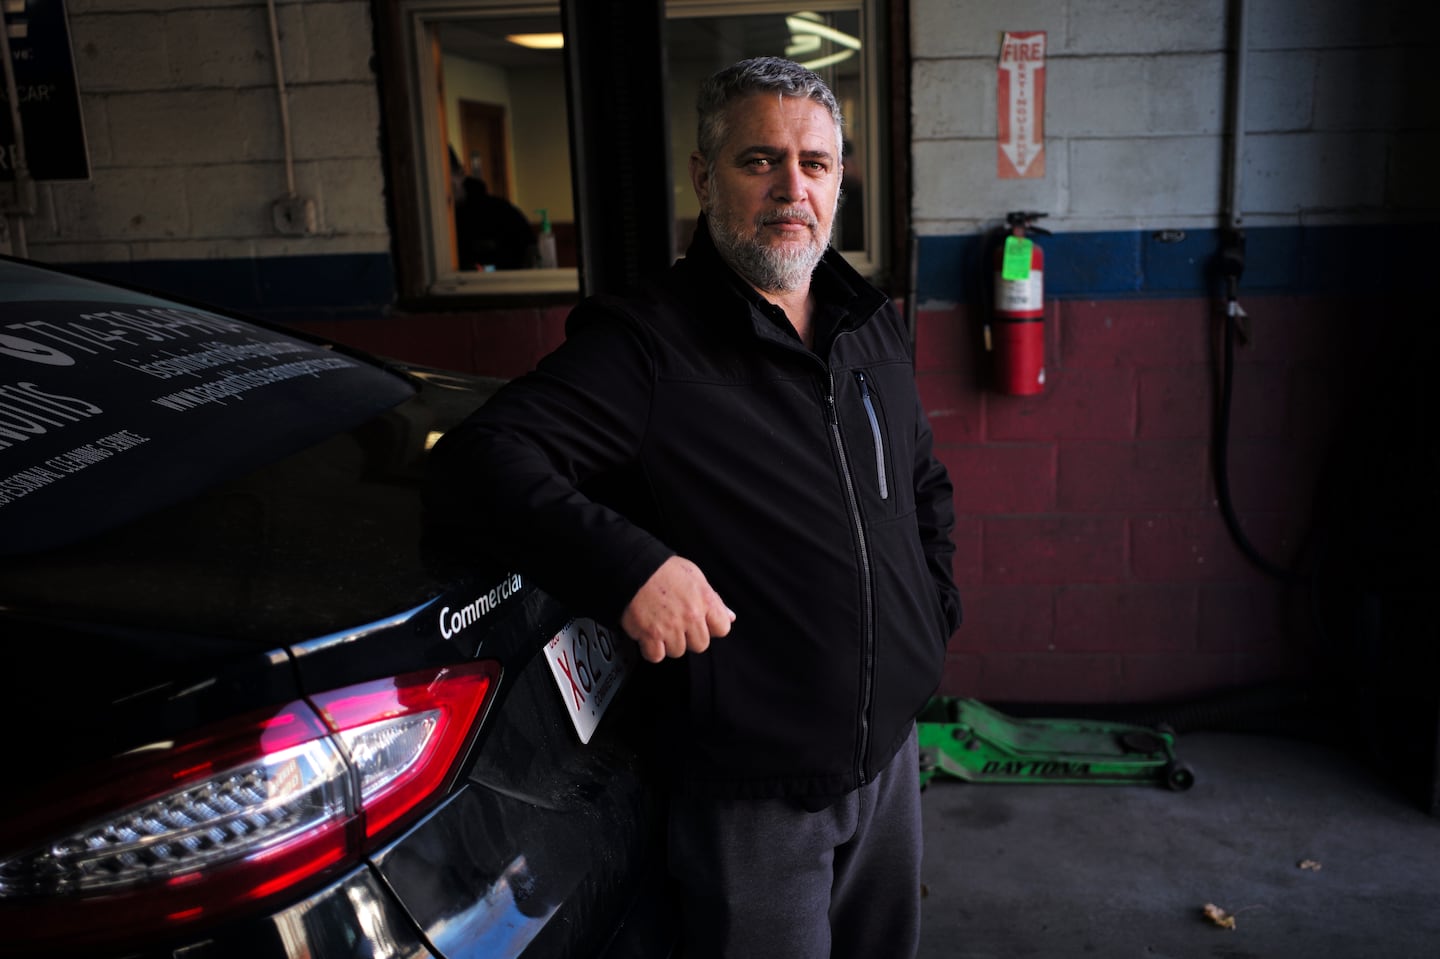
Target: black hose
{"points": [[1232, 264], [1222, 462]]}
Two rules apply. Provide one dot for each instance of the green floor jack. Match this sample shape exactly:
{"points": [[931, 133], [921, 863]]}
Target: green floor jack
{"points": [[969, 740]]}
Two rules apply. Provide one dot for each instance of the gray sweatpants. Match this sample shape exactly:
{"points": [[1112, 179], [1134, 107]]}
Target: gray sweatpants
{"points": [[768, 878]]}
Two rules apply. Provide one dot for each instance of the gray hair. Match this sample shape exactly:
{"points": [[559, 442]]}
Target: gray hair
{"points": [[757, 75]]}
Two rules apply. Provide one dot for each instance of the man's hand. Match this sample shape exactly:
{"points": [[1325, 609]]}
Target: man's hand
{"points": [[675, 612]]}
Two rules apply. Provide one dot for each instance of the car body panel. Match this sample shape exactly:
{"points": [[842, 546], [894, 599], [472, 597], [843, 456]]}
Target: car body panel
{"points": [[355, 917], [270, 545]]}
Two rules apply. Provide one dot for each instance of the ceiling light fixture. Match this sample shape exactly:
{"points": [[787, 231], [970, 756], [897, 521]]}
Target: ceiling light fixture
{"points": [[821, 63], [802, 23], [538, 41], [806, 36]]}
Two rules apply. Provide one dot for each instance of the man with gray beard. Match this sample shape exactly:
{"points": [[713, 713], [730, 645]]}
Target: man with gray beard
{"points": [[733, 466]]}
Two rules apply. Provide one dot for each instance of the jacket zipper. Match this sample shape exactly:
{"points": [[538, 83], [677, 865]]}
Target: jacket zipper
{"points": [[867, 597], [874, 433]]}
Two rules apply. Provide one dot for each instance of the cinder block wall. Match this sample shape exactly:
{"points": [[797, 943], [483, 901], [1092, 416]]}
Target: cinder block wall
{"points": [[183, 124], [1338, 120], [1093, 557], [1095, 561]]}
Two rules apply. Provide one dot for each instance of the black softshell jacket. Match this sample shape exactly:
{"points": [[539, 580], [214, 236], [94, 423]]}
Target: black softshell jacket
{"points": [[691, 420]]}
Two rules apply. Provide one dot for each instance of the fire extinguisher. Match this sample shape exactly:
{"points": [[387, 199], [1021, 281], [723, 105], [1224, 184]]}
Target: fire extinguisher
{"points": [[1015, 333]]}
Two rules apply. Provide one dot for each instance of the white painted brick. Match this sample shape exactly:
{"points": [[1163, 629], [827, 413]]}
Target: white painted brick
{"points": [[951, 98], [1317, 24], [1298, 172], [1279, 91], [96, 120], [202, 249], [46, 251], [1134, 96], [233, 199], [42, 226], [193, 249], [951, 227], [124, 52], [956, 179], [335, 120], [1146, 26], [338, 42], [122, 205], [1364, 90], [969, 28], [206, 126], [1095, 96], [221, 48], [1134, 120], [1161, 176], [1186, 94], [82, 7], [350, 194], [329, 244]]}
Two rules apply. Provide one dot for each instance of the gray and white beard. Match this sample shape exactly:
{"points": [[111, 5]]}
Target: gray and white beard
{"points": [[781, 269]]}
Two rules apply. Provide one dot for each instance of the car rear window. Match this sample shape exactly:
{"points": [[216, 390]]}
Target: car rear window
{"points": [[114, 404]]}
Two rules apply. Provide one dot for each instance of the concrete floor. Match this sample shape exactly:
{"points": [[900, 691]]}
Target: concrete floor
{"points": [[1114, 872]]}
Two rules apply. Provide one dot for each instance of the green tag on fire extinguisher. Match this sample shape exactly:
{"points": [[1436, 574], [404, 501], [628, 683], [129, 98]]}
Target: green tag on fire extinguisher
{"points": [[1015, 264]]}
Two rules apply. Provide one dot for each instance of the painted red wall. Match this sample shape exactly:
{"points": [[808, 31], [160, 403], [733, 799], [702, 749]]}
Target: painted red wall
{"points": [[502, 343], [1093, 557]]}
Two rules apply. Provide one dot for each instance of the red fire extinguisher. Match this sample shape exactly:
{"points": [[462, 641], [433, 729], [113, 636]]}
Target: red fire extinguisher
{"points": [[1016, 331]]}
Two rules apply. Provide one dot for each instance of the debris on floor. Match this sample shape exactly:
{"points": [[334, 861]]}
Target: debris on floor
{"points": [[1219, 916]]}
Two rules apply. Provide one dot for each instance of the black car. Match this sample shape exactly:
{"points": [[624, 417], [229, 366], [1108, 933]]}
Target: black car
{"points": [[259, 702]]}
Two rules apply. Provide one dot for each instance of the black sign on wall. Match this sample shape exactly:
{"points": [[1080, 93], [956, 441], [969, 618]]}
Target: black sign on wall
{"points": [[50, 117]]}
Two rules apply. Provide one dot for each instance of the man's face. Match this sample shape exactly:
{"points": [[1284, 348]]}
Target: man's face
{"points": [[771, 199]]}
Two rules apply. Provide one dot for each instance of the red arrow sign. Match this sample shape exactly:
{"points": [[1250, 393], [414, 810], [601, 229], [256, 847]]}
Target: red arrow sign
{"points": [[1021, 106]]}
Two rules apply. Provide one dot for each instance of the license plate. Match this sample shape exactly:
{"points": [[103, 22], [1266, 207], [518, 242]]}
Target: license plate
{"points": [[589, 662]]}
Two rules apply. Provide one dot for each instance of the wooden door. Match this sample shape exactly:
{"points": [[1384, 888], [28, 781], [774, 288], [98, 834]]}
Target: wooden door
{"points": [[482, 132]]}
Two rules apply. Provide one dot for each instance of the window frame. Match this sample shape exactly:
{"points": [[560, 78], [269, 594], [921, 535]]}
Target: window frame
{"points": [[417, 176]]}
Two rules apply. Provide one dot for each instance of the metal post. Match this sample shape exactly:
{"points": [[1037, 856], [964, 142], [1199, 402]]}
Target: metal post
{"points": [[1236, 118], [619, 140]]}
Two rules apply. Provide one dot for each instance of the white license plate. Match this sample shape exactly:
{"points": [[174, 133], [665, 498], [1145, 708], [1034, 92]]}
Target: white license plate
{"points": [[589, 662]]}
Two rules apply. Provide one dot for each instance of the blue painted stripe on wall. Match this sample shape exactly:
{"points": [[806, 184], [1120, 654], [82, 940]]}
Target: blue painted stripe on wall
{"points": [[1332, 259], [1335, 259], [286, 288]]}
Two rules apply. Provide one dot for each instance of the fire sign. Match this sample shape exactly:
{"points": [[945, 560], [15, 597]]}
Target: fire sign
{"points": [[1021, 106]]}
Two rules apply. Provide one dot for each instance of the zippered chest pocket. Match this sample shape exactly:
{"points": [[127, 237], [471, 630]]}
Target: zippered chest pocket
{"points": [[877, 436]]}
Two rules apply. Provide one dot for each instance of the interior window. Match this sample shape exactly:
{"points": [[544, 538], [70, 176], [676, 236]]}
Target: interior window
{"points": [[491, 146], [490, 142], [508, 153]]}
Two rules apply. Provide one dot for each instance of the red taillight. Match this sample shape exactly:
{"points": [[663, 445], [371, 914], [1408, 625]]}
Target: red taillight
{"points": [[173, 833], [403, 736]]}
